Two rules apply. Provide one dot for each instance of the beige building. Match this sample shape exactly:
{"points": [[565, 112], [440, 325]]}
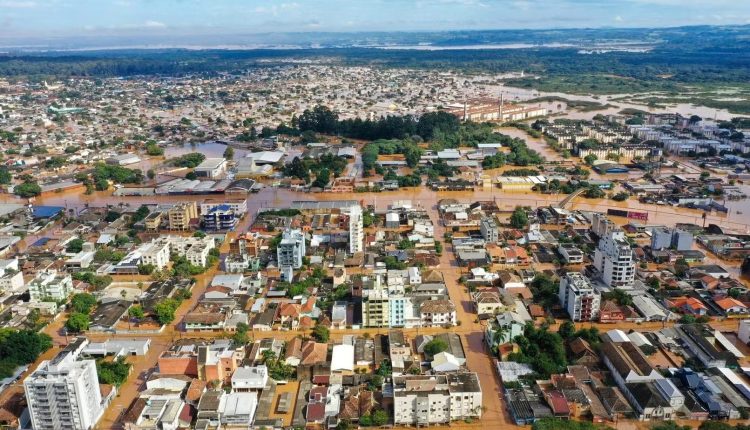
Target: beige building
{"points": [[181, 214], [375, 308]]}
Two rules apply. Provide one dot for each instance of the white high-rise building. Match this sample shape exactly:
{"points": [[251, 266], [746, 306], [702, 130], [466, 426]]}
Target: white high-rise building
{"points": [[63, 393], [291, 249], [356, 229], [579, 298], [615, 260]]}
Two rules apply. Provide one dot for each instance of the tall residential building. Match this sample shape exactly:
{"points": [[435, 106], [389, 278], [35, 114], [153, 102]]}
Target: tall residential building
{"points": [[601, 225], [615, 260], [376, 309], [181, 214], [422, 400], [50, 285], [356, 229], [579, 298], [489, 230], [291, 249], [63, 393]]}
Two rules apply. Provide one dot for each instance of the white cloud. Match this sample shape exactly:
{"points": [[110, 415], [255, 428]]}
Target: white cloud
{"points": [[618, 18], [17, 4], [154, 24]]}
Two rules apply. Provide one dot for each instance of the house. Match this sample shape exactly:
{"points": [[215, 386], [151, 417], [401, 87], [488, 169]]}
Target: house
{"points": [[510, 280], [342, 359], [729, 306], [687, 305], [582, 353], [246, 379], [610, 312]]}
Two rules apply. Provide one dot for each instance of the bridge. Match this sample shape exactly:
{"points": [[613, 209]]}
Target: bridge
{"points": [[564, 202]]}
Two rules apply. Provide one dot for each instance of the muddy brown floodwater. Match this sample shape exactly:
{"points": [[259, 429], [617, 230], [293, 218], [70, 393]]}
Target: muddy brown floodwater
{"points": [[274, 197]]}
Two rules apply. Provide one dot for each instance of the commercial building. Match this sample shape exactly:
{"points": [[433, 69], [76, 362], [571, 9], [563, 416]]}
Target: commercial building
{"points": [[424, 400], [579, 298], [356, 229], [63, 393], [211, 168], [50, 285], [615, 261]]}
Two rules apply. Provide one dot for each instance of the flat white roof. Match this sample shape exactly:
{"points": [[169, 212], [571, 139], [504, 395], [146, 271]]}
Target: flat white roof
{"points": [[342, 358], [211, 163]]}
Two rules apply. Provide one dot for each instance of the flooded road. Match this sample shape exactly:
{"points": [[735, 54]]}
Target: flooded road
{"points": [[422, 196]]}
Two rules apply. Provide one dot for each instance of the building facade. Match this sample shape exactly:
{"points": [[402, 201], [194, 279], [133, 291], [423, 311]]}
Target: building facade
{"points": [[63, 393], [615, 261], [579, 298]]}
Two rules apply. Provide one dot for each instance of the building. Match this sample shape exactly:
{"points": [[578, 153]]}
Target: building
{"points": [[11, 277], [220, 218], [50, 285], [63, 393], [180, 215], [238, 206], [570, 253], [123, 159], [615, 261], [211, 168], [490, 231], [663, 238], [291, 249], [601, 225], [356, 229], [424, 400], [376, 308], [579, 298], [155, 253]]}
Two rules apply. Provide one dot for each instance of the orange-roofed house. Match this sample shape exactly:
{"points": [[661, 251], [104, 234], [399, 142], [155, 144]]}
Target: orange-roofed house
{"points": [[688, 305], [731, 306]]}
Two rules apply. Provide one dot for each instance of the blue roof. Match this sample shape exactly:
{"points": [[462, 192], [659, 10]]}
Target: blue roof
{"points": [[46, 211], [220, 208], [41, 241]]}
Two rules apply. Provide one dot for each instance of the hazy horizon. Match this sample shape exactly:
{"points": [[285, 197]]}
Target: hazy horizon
{"points": [[68, 19]]}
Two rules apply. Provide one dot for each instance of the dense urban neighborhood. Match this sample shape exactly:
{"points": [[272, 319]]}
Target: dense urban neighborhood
{"points": [[341, 247]]}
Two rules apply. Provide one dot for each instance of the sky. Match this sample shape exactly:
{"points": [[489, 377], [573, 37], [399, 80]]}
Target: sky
{"points": [[34, 18]]}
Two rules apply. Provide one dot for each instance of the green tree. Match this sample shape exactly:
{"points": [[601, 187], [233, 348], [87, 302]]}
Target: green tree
{"points": [[321, 333], [75, 246], [113, 372], [519, 219], [229, 153], [589, 159], [322, 178], [165, 311], [151, 174], [435, 346], [380, 418], [77, 322], [240, 338], [136, 312], [27, 189], [83, 303], [5, 176]]}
